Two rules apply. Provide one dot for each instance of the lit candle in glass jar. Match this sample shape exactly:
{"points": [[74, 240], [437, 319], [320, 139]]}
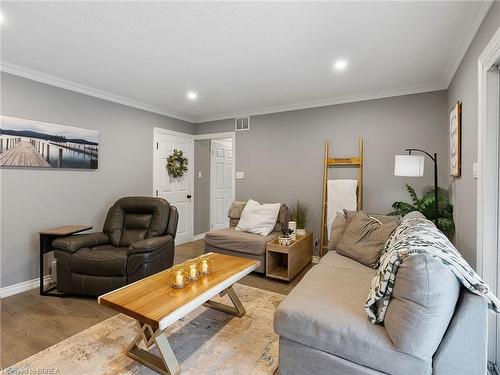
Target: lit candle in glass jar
{"points": [[204, 266], [179, 279], [192, 271]]}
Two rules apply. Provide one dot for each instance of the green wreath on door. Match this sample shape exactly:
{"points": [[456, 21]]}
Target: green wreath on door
{"points": [[177, 164]]}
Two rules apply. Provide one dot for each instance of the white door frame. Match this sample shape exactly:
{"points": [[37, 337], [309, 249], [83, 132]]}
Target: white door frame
{"points": [[231, 135], [157, 131], [488, 185]]}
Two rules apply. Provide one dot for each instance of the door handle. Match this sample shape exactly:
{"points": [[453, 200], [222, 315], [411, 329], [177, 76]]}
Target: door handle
{"points": [[189, 196]]}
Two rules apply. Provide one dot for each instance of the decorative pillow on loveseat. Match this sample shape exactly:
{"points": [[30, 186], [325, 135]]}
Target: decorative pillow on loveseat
{"points": [[364, 237], [258, 218]]}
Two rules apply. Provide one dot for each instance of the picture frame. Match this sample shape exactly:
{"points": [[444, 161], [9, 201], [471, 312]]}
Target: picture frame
{"points": [[455, 127], [26, 143]]}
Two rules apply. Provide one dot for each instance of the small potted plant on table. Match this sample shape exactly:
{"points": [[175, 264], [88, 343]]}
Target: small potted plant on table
{"points": [[300, 212], [285, 239]]}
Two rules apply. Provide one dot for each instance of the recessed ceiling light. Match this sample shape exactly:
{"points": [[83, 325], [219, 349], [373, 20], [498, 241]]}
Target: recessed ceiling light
{"points": [[191, 95], [340, 64]]}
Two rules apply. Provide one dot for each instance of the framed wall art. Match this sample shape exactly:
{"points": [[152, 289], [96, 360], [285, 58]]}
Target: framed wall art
{"points": [[36, 144], [456, 140]]}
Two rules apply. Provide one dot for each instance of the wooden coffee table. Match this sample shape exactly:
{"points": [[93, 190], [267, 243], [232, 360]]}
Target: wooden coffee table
{"points": [[155, 305]]}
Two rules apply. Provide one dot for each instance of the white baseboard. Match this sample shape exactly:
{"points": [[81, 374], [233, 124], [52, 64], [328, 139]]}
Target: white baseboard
{"points": [[24, 286], [199, 236]]}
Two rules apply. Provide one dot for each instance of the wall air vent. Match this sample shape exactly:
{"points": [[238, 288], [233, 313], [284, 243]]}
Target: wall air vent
{"points": [[242, 123]]}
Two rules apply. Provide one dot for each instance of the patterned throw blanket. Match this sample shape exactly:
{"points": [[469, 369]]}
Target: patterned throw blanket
{"points": [[419, 236]]}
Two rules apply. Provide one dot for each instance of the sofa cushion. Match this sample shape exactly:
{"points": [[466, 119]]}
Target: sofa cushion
{"points": [[242, 242], [326, 311], [342, 219], [236, 209], [338, 227], [422, 305], [103, 260], [364, 238]]}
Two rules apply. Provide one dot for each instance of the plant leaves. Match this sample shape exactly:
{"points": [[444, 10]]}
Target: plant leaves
{"points": [[426, 205], [413, 196]]}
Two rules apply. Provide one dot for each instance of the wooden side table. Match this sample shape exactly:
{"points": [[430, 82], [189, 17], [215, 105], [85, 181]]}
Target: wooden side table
{"points": [[46, 238], [285, 262]]}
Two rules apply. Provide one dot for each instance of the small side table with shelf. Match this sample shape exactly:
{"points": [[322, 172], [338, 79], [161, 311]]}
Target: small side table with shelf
{"points": [[285, 262], [46, 238]]}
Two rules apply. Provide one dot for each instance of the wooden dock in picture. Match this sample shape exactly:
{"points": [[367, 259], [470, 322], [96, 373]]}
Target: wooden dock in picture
{"points": [[23, 154]]}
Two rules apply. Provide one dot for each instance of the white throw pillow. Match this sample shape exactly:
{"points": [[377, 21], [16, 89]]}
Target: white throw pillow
{"points": [[258, 218]]}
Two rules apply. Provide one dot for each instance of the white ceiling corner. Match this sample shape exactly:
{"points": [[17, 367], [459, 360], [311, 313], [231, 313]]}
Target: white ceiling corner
{"points": [[87, 90], [472, 29]]}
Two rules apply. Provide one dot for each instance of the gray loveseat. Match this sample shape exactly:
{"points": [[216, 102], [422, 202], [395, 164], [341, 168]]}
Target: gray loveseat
{"points": [[324, 328], [229, 241]]}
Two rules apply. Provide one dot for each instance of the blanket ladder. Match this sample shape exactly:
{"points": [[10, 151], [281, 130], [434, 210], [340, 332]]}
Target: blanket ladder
{"points": [[329, 162]]}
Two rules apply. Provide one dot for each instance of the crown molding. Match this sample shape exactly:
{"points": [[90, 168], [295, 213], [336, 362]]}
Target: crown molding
{"points": [[466, 42], [87, 90], [324, 102]]}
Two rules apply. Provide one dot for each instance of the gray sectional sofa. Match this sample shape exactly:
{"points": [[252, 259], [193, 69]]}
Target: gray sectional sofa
{"points": [[229, 241], [324, 328]]}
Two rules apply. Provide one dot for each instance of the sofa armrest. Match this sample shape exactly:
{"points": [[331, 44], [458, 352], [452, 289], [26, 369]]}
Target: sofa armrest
{"points": [[76, 242], [464, 348], [151, 244]]}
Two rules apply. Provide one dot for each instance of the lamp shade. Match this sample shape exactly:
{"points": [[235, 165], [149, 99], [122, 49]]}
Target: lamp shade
{"points": [[409, 165]]}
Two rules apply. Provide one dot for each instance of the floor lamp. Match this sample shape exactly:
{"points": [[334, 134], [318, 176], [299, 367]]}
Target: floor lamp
{"points": [[413, 166]]}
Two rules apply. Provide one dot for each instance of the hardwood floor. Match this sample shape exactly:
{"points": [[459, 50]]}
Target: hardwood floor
{"points": [[31, 323]]}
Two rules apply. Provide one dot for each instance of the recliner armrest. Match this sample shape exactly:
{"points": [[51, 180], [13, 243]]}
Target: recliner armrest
{"points": [[151, 244], [77, 241]]}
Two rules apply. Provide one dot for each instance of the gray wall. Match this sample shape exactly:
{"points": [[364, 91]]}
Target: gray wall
{"points": [[202, 186], [464, 88], [282, 153], [36, 199]]}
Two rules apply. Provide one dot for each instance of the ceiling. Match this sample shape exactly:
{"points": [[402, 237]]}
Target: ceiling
{"points": [[239, 57]]}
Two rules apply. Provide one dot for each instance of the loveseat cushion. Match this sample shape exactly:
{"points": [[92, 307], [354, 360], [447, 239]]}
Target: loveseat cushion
{"points": [[242, 242], [103, 260], [326, 311]]}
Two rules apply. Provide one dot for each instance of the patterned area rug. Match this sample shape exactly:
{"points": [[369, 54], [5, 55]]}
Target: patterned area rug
{"points": [[206, 341]]}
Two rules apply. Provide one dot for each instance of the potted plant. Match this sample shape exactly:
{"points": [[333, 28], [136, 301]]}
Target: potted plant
{"points": [[300, 212], [426, 206], [285, 239]]}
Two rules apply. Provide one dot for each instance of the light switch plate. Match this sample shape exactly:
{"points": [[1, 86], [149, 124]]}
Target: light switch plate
{"points": [[199, 174], [475, 170], [240, 175]]}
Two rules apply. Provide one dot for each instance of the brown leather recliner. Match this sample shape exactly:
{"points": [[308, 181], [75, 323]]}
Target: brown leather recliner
{"points": [[137, 240]]}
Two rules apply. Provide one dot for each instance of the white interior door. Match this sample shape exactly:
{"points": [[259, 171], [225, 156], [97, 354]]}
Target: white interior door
{"points": [[177, 191], [493, 120], [221, 182]]}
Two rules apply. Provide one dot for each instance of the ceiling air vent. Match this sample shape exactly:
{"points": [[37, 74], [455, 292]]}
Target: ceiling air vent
{"points": [[242, 123]]}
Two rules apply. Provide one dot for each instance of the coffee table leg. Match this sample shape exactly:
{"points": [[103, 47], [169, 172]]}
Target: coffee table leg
{"points": [[166, 363], [237, 309]]}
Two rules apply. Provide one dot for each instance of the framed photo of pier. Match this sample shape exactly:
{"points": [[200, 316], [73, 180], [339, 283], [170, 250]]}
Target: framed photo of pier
{"points": [[34, 144]]}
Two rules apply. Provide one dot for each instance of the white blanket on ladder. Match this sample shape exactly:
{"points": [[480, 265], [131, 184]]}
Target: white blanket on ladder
{"points": [[341, 195]]}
